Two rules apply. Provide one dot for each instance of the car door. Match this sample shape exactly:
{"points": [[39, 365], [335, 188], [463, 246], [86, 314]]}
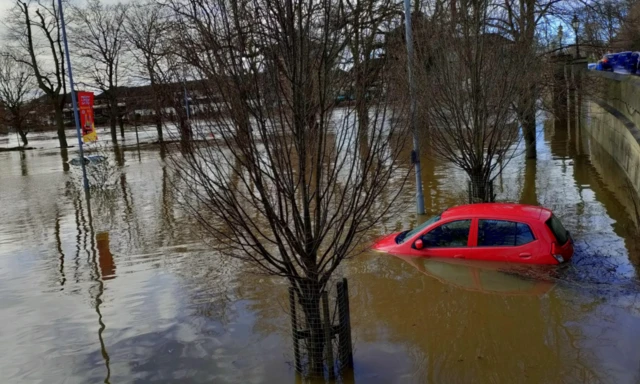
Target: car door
{"points": [[450, 239], [504, 240]]}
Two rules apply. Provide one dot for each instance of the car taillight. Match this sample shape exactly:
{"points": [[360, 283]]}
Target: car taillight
{"points": [[604, 60]]}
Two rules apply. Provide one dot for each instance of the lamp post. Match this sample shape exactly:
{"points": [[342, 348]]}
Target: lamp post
{"points": [[74, 101], [575, 23], [415, 154]]}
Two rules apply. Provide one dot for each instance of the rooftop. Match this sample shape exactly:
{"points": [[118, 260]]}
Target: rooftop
{"points": [[495, 210]]}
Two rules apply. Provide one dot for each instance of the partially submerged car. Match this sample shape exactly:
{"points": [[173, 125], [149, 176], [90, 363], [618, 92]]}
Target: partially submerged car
{"points": [[491, 232]]}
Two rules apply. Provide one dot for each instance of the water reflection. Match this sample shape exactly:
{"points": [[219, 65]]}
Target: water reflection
{"points": [[64, 154], [105, 264], [529, 193], [105, 258], [56, 232], [23, 164], [596, 177], [438, 332], [485, 277]]}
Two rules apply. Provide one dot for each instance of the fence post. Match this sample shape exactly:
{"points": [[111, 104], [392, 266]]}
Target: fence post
{"points": [[294, 329], [345, 350], [328, 336]]}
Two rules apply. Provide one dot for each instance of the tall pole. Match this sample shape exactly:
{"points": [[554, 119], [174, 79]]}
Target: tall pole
{"points": [[85, 181], [575, 23], [415, 154]]}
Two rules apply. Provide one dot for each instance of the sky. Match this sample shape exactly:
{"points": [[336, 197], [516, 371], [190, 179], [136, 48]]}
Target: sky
{"points": [[6, 5]]}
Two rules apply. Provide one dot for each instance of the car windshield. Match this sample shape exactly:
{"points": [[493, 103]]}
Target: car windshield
{"points": [[409, 234]]}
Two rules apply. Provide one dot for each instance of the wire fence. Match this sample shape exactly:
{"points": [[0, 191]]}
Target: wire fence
{"points": [[321, 329], [480, 191]]}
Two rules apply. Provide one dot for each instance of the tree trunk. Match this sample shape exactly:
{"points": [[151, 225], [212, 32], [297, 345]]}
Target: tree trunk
{"points": [[113, 112], [23, 136], [118, 154], [158, 120], [361, 105], [121, 121], [62, 138], [529, 130], [529, 195], [527, 116], [310, 302], [156, 102], [64, 154], [480, 187]]}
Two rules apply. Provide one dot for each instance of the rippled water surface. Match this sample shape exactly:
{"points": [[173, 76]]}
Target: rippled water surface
{"points": [[127, 291]]}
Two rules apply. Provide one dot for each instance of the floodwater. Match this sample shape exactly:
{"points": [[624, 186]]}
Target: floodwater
{"points": [[128, 291]]}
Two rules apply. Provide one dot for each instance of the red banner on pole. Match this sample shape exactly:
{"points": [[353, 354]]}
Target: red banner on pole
{"points": [[85, 108]]}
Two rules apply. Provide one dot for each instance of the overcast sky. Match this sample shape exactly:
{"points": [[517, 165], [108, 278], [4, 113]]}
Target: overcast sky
{"points": [[5, 5]]}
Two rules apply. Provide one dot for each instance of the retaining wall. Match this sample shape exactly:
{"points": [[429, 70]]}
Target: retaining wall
{"points": [[613, 117]]}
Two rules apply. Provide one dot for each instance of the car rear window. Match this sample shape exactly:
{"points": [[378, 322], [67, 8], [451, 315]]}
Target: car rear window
{"points": [[561, 234]]}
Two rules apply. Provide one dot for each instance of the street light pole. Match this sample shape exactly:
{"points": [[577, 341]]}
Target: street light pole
{"points": [[415, 154], [74, 101], [575, 23]]}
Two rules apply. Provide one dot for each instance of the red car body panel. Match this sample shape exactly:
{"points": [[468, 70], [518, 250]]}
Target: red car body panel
{"points": [[538, 251]]}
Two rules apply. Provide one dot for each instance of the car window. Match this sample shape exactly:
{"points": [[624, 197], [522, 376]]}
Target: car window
{"points": [[523, 234], [452, 234], [558, 230], [501, 233]]}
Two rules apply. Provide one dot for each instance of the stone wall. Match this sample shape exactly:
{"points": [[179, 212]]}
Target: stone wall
{"points": [[612, 118]]}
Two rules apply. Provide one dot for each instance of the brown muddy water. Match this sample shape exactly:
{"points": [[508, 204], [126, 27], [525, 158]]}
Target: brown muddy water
{"points": [[129, 293]]}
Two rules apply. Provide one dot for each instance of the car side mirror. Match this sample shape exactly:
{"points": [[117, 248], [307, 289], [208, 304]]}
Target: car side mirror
{"points": [[418, 244]]}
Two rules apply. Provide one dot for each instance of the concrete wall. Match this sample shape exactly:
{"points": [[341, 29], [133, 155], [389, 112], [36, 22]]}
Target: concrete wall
{"points": [[622, 92], [612, 118]]}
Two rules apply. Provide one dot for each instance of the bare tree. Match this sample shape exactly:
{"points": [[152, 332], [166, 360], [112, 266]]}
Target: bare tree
{"points": [[98, 35], [17, 87], [366, 24], [283, 181], [470, 90], [520, 21], [146, 27], [626, 16], [34, 27]]}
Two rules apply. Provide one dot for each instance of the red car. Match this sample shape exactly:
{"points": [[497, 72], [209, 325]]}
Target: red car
{"points": [[492, 232]]}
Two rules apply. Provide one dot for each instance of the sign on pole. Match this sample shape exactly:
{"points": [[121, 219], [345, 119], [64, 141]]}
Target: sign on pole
{"points": [[85, 107]]}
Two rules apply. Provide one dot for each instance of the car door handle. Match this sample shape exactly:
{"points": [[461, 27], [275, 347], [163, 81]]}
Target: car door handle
{"points": [[458, 256], [525, 255]]}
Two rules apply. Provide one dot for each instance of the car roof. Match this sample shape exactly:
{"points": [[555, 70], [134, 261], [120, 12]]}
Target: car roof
{"points": [[498, 210]]}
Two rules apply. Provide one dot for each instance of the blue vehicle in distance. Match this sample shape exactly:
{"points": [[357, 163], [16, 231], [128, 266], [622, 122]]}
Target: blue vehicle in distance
{"points": [[624, 62], [608, 62], [631, 62]]}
